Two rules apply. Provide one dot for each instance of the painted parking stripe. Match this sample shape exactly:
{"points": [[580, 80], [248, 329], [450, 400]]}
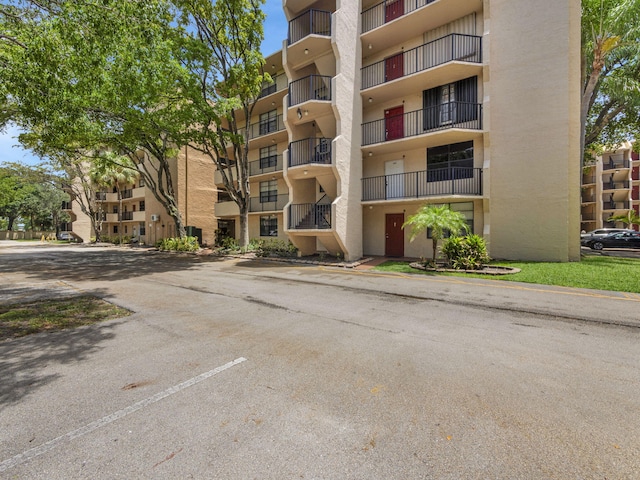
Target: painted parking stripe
{"points": [[51, 444]]}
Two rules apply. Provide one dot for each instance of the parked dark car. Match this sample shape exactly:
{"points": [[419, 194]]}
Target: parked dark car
{"points": [[616, 240], [585, 238]]}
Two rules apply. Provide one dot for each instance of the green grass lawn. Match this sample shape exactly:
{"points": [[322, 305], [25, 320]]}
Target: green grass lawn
{"points": [[599, 273]]}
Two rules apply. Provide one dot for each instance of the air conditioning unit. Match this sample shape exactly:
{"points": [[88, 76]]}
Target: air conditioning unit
{"points": [[155, 218]]}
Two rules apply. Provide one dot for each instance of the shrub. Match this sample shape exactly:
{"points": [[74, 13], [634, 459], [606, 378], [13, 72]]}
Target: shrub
{"points": [[276, 248], [186, 244], [466, 253]]}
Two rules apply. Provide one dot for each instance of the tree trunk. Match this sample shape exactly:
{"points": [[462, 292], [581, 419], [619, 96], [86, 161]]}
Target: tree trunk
{"points": [[244, 225]]}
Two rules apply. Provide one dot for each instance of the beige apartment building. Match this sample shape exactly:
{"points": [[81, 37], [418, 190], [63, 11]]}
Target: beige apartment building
{"points": [[378, 108], [610, 187], [137, 214]]}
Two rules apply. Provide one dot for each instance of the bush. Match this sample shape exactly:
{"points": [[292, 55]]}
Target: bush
{"points": [[186, 244], [276, 248], [466, 253]]}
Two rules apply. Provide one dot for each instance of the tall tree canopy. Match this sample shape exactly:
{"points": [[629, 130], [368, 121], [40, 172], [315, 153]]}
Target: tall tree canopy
{"points": [[143, 78], [610, 72]]}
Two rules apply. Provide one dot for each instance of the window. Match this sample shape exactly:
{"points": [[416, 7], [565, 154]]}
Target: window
{"points": [[466, 209], [141, 183], [269, 191], [269, 156], [115, 229], [269, 226], [142, 206], [449, 162], [454, 103], [268, 122], [115, 209]]}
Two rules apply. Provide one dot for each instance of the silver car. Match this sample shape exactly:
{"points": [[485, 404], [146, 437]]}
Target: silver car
{"points": [[586, 238]]}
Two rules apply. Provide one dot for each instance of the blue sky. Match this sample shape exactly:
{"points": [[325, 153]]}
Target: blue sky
{"points": [[275, 31]]}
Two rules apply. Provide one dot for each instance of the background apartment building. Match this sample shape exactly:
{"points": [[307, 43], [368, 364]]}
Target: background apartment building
{"points": [[610, 187], [381, 107], [137, 213]]}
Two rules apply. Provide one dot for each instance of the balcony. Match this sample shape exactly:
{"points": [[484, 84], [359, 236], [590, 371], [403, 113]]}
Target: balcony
{"points": [[270, 164], [614, 163], [615, 185], [266, 127], [454, 47], [313, 87], [446, 116], [312, 22], [615, 205], [310, 216], [309, 151], [272, 203], [431, 183], [101, 196], [66, 206], [124, 194], [127, 216], [588, 180], [388, 11], [226, 209], [279, 82]]}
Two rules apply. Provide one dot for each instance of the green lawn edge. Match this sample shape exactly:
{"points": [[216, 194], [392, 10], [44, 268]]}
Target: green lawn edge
{"points": [[592, 272]]}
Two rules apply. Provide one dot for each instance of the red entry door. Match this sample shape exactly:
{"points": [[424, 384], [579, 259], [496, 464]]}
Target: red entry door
{"points": [[635, 173], [394, 67], [394, 243], [394, 123], [635, 192], [393, 10]]}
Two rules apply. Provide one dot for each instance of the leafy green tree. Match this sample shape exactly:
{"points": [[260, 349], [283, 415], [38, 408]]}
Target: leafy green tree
{"points": [[440, 219], [223, 41], [610, 72]]}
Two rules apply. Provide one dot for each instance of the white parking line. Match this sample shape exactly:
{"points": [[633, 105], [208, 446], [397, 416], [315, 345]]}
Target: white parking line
{"points": [[51, 444]]}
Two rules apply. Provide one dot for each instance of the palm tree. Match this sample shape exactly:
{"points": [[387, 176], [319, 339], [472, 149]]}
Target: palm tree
{"points": [[628, 219], [440, 219], [118, 171]]}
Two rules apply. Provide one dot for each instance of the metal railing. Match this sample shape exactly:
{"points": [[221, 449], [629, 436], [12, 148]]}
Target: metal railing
{"points": [[613, 163], [272, 163], [310, 151], [126, 193], [313, 87], [311, 22], [380, 14], [430, 119], [467, 48], [279, 82], [310, 216], [257, 204], [127, 215], [266, 127], [426, 183], [615, 185], [588, 180], [101, 196], [615, 205]]}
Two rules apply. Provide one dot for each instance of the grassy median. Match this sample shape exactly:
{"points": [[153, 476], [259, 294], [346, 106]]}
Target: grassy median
{"points": [[594, 272], [18, 320]]}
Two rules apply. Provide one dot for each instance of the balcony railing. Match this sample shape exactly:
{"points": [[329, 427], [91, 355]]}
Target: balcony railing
{"points": [[66, 205], [313, 87], [389, 10], [279, 82], [266, 127], [430, 119], [310, 216], [268, 204], [615, 205], [312, 22], [615, 185], [310, 151], [127, 215], [126, 193], [101, 196], [612, 164], [438, 182], [270, 164], [465, 48], [588, 180]]}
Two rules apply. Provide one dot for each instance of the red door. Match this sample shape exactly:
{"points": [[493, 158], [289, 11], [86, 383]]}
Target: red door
{"points": [[394, 67], [635, 192], [635, 173], [393, 10], [394, 123], [394, 243]]}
